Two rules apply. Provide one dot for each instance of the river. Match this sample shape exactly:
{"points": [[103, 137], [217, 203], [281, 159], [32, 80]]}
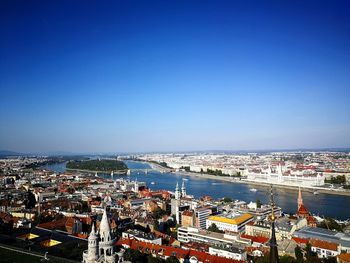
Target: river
{"points": [[335, 206]]}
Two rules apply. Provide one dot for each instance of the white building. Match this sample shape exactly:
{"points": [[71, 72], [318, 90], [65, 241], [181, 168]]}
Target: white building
{"points": [[141, 236], [227, 251], [280, 175], [234, 223]]}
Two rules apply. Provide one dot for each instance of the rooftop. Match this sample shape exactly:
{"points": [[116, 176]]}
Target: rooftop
{"points": [[235, 221]]}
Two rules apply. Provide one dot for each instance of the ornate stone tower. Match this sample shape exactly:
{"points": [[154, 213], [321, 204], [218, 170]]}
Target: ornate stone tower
{"points": [[100, 245], [93, 245], [106, 243]]}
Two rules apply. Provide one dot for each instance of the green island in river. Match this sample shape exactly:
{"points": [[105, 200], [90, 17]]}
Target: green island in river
{"points": [[99, 166]]}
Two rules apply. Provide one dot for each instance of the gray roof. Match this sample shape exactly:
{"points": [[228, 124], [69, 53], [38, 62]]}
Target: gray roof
{"points": [[324, 234]]}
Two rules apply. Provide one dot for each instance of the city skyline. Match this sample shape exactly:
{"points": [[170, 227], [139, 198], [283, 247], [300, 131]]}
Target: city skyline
{"points": [[174, 76]]}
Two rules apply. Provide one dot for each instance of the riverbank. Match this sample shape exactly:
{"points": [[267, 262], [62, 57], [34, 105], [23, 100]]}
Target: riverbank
{"points": [[97, 171], [243, 181]]}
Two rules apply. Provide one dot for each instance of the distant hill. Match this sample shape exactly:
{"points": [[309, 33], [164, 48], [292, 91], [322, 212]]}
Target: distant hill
{"points": [[10, 153]]}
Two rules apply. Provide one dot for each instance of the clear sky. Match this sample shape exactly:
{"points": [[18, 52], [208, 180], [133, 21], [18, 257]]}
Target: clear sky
{"points": [[109, 76]]}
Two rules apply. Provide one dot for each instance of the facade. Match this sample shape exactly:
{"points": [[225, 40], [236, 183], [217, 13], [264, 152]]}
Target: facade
{"points": [[233, 224], [187, 218], [341, 239], [324, 249], [100, 244], [141, 236], [228, 252], [279, 175], [202, 214], [191, 234]]}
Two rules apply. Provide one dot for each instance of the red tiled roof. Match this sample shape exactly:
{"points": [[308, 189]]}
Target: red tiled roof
{"points": [[324, 244], [256, 239], [303, 210], [345, 257], [300, 240], [173, 251]]}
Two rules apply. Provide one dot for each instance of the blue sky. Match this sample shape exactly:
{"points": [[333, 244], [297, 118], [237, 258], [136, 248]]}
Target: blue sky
{"points": [[109, 76]]}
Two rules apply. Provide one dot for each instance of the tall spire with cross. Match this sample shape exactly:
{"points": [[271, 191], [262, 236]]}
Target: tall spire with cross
{"points": [[273, 243], [300, 199]]}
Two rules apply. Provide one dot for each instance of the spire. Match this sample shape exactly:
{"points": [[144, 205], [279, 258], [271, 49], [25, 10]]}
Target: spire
{"points": [[104, 225], [177, 191], [183, 189], [92, 230], [300, 199], [273, 243]]}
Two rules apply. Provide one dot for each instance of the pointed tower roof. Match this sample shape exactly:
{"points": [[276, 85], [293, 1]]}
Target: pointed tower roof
{"points": [[93, 229], [104, 225], [183, 184], [177, 186], [273, 242], [93, 233], [300, 199]]}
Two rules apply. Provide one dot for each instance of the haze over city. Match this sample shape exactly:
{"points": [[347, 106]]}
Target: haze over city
{"points": [[174, 76]]}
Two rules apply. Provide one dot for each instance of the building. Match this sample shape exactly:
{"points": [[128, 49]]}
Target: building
{"points": [[342, 239], [233, 223], [304, 213], [344, 258], [283, 176], [141, 236], [164, 252], [100, 244], [228, 251], [202, 214], [187, 218], [191, 234], [324, 249]]}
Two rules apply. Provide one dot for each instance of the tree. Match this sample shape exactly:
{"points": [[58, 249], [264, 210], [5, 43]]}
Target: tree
{"points": [[151, 259], [310, 255], [287, 259], [330, 260], [172, 259], [298, 254], [214, 228], [330, 223], [135, 256], [227, 200], [258, 203], [30, 200], [158, 213]]}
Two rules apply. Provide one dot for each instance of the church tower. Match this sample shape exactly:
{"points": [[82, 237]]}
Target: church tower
{"points": [[136, 186], [300, 199], [183, 189], [177, 192]]}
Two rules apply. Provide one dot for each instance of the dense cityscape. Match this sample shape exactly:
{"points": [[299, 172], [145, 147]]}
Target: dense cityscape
{"points": [[105, 216], [174, 131]]}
